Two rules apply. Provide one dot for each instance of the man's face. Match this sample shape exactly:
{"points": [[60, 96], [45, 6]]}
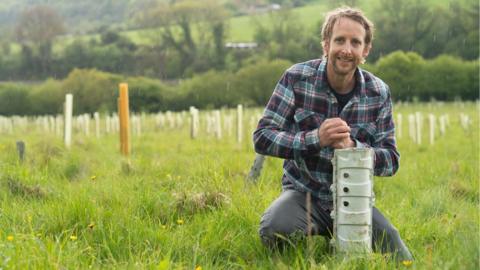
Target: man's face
{"points": [[346, 48]]}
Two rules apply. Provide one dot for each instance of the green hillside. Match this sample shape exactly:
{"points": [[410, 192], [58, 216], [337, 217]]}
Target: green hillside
{"points": [[242, 28]]}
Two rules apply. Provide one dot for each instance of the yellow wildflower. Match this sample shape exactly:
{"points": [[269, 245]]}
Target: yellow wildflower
{"points": [[198, 268], [93, 177], [10, 238], [407, 263], [73, 237], [91, 225], [164, 226], [179, 221]]}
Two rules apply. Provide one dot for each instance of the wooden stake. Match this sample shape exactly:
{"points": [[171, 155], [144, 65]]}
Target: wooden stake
{"points": [[123, 113], [256, 169], [21, 151]]}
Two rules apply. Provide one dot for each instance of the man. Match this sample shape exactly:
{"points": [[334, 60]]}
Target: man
{"points": [[316, 107]]}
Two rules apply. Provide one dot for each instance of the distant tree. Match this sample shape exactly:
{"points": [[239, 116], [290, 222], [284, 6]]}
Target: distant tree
{"points": [[283, 37], [36, 28], [38, 24], [430, 30], [402, 25], [462, 37], [177, 23]]}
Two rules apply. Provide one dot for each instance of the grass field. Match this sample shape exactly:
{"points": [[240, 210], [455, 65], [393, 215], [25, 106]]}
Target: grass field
{"points": [[185, 204]]}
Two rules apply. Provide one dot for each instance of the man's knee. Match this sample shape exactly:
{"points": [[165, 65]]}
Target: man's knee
{"points": [[267, 235], [281, 219], [271, 229]]}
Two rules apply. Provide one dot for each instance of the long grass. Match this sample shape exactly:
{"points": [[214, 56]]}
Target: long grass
{"points": [[183, 204]]}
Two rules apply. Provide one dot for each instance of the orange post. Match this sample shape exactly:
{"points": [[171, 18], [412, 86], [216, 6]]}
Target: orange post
{"points": [[123, 114]]}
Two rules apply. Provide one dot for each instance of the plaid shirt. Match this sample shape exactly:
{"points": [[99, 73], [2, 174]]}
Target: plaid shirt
{"points": [[301, 101]]}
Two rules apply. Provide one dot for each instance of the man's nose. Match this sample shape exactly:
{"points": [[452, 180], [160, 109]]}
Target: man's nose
{"points": [[347, 47]]}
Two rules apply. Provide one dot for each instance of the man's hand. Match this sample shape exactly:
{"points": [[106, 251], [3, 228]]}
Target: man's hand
{"points": [[335, 132], [345, 143]]}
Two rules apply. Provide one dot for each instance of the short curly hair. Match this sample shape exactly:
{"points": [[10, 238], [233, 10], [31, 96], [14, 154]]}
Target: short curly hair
{"points": [[346, 12]]}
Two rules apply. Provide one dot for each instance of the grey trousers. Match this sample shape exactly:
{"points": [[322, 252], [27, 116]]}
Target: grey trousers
{"points": [[287, 216]]}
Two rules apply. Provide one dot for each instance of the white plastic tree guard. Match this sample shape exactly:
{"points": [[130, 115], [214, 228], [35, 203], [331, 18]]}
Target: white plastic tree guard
{"points": [[353, 200]]}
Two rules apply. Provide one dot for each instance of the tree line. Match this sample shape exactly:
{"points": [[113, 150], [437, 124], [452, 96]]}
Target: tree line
{"points": [[410, 77], [188, 37]]}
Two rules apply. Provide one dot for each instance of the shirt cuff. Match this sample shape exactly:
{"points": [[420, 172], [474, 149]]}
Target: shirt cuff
{"points": [[311, 140]]}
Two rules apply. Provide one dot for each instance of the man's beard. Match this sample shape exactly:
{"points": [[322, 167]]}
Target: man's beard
{"points": [[342, 70]]}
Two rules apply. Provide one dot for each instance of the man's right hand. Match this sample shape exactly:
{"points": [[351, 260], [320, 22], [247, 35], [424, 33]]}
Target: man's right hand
{"points": [[333, 130]]}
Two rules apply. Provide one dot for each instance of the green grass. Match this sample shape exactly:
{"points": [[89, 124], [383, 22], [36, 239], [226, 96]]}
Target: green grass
{"points": [[184, 203]]}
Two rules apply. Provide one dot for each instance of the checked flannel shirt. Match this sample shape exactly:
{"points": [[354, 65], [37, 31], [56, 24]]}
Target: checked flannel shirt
{"points": [[301, 101]]}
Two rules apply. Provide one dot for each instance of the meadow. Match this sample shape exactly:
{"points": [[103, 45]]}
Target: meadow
{"points": [[182, 203]]}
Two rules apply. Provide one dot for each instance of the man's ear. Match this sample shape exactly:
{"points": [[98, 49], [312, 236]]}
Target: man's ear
{"points": [[366, 50], [326, 47]]}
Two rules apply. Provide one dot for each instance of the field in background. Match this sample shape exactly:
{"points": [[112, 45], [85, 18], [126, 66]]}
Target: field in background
{"points": [[184, 203], [242, 28]]}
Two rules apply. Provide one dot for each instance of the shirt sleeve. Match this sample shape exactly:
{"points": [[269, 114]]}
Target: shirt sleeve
{"points": [[276, 134], [386, 154]]}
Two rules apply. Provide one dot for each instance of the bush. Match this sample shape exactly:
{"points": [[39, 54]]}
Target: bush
{"points": [[443, 78], [447, 78], [148, 95], [47, 98], [92, 90], [402, 72], [254, 84], [209, 90], [14, 99]]}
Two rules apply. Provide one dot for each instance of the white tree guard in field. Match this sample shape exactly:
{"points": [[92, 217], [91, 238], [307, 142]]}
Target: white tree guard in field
{"points": [[353, 200], [68, 120], [239, 123]]}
